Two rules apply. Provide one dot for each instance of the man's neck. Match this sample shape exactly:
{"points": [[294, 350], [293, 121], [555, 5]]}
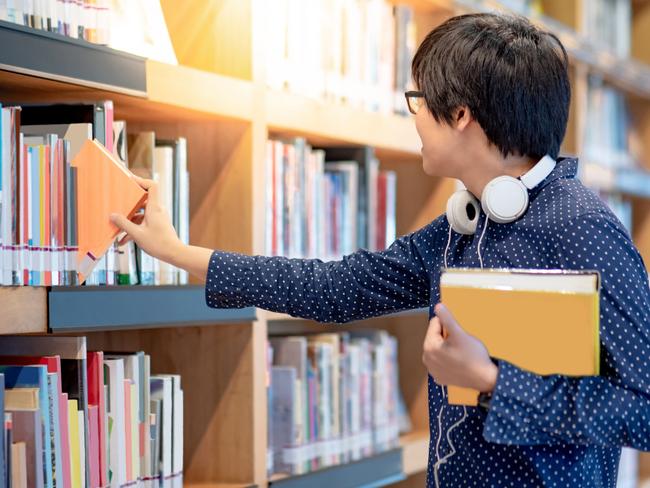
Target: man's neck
{"points": [[482, 172]]}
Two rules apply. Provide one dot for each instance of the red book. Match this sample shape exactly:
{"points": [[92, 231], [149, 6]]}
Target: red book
{"points": [[128, 440], [53, 364], [381, 212], [93, 447], [95, 375]]}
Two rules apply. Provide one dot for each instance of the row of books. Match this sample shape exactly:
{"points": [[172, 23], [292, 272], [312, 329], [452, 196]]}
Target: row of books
{"points": [[357, 52], [333, 399], [609, 137], [608, 24], [326, 203], [76, 418], [80, 19], [39, 199]]}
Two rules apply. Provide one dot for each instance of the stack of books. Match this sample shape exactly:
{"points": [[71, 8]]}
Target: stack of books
{"points": [[39, 196], [80, 19], [326, 203], [77, 418], [356, 52], [333, 399]]}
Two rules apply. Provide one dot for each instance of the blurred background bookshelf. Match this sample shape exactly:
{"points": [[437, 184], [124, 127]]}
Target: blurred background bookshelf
{"points": [[225, 96]]}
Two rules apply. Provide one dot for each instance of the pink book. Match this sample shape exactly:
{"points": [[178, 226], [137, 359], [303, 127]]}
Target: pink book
{"points": [[93, 445], [127, 427], [65, 440], [95, 374]]}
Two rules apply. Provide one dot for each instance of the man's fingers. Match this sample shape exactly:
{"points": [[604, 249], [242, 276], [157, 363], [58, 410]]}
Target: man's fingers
{"points": [[124, 224], [143, 182], [434, 333], [448, 321]]}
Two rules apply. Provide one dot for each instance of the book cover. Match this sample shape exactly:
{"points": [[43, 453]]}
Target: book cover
{"points": [[161, 389], [568, 344], [95, 374], [26, 427], [103, 187], [114, 377]]}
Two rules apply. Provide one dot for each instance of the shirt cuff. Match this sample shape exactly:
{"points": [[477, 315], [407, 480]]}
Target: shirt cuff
{"points": [[224, 278], [514, 407]]}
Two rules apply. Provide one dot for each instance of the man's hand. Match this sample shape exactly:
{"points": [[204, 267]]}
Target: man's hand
{"points": [[457, 358], [152, 231]]}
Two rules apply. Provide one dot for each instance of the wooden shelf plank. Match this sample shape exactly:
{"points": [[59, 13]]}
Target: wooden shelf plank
{"points": [[24, 310], [328, 124], [56, 57], [629, 181], [187, 89], [93, 308], [380, 470], [415, 452]]}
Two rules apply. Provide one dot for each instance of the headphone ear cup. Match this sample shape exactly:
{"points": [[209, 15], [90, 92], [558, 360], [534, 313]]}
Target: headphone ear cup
{"points": [[504, 199], [462, 212]]}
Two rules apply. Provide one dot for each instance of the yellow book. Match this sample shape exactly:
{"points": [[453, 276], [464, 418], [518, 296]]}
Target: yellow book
{"points": [[75, 453], [543, 321]]}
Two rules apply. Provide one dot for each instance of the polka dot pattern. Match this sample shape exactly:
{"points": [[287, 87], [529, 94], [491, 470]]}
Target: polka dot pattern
{"points": [[550, 431]]}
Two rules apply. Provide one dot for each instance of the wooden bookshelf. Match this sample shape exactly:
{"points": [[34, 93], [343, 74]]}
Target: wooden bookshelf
{"points": [[217, 98], [415, 451]]}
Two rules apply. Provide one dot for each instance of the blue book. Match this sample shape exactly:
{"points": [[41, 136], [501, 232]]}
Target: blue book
{"points": [[35, 377]]}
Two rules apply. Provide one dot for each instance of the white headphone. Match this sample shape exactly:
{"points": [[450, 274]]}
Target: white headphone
{"points": [[504, 199]]}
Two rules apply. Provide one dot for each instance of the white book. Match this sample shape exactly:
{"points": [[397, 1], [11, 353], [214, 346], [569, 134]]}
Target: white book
{"points": [[116, 421], [161, 389], [177, 423], [163, 173], [145, 464]]}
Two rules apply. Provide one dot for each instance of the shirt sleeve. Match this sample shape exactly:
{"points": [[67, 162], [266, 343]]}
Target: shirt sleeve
{"points": [[610, 409], [361, 285]]}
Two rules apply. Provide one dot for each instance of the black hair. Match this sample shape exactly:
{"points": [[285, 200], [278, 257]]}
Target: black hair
{"points": [[511, 75]]}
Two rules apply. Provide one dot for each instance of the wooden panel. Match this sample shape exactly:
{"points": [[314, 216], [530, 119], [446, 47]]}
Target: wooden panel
{"points": [[330, 124], [212, 35], [644, 467], [640, 41], [218, 380], [565, 11], [24, 310], [199, 91], [415, 481], [169, 86], [415, 452]]}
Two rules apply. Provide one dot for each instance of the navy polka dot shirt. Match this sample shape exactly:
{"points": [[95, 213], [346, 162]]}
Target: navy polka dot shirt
{"points": [[551, 431]]}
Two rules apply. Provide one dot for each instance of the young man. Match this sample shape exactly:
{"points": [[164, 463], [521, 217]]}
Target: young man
{"points": [[493, 101]]}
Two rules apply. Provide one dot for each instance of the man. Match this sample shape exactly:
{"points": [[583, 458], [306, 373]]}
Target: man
{"points": [[493, 100]]}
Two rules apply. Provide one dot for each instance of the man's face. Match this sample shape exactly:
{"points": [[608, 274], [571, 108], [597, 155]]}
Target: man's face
{"points": [[439, 144]]}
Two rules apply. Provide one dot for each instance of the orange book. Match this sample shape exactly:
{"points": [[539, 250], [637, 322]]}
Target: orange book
{"points": [[543, 321], [104, 186]]}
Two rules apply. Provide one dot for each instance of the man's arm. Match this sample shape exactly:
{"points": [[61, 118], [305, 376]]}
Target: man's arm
{"points": [[361, 285], [611, 409]]}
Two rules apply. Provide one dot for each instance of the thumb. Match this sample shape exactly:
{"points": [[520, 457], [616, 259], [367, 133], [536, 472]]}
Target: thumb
{"points": [[124, 224], [451, 327]]}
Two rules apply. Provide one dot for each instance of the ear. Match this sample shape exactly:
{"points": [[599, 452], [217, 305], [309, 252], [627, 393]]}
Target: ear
{"points": [[462, 118]]}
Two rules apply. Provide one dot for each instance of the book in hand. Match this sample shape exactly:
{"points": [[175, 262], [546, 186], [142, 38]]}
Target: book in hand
{"points": [[543, 321], [104, 187]]}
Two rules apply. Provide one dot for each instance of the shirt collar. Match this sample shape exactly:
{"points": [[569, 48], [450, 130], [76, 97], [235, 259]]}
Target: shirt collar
{"points": [[565, 168]]}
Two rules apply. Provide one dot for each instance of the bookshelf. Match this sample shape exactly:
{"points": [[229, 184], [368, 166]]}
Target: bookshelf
{"points": [[217, 98]]}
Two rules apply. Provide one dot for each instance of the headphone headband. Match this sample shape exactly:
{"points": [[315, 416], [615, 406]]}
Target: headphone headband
{"points": [[539, 172]]}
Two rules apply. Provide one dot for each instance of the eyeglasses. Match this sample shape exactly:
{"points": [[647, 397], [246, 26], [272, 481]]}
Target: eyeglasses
{"points": [[414, 101]]}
